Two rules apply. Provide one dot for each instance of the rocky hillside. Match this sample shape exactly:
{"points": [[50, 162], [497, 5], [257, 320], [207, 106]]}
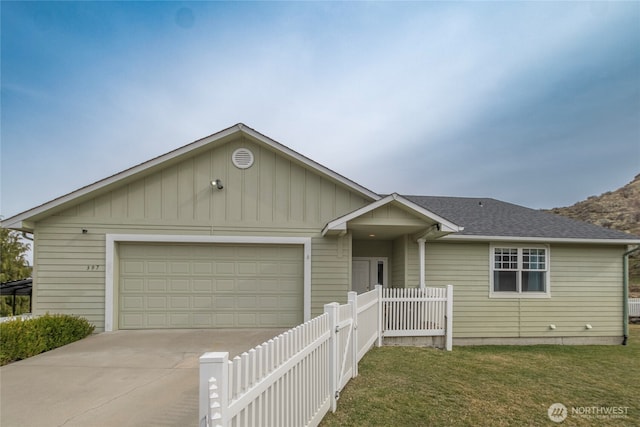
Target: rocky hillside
{"points": [[619, 210]]}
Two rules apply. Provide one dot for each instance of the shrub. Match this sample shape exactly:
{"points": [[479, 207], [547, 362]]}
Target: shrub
{"points": [[20, 339]]}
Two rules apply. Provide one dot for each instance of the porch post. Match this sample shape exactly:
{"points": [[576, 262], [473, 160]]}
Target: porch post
{"points": [[421, 245]]}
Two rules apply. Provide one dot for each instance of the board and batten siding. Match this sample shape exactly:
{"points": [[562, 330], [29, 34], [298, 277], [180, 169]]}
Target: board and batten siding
{"points": [[274, 193], [330, 271], [586, 288], [275, 197]]}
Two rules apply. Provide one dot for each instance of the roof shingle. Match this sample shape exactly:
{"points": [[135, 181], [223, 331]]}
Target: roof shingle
{"points": [[491, 217]]}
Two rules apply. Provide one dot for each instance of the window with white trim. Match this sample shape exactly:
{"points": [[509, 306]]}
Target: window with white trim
{"points": [[519, 271]]}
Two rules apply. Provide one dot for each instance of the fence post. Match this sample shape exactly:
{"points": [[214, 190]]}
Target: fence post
{"points": [[214, 365], [379, 296], [334, 367], [352, 300], [449, 337]]}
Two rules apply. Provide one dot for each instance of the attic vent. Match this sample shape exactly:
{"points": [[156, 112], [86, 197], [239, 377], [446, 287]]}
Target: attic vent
{"points": [[242, 158]]}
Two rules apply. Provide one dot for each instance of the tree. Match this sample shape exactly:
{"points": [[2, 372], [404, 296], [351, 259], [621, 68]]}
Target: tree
{"points": [[13, 266]]}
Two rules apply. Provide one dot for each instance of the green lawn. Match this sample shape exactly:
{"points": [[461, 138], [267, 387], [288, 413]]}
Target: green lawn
{"points": [[492, 386]]}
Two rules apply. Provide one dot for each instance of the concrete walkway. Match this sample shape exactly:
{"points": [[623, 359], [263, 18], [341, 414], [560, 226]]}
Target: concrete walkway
{"points": [[123, 378]]}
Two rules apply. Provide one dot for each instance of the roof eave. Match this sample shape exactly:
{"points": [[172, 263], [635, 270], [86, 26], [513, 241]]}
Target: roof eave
{"points": [[17, 221], [309, 163], [340, 224], [467, 237]]}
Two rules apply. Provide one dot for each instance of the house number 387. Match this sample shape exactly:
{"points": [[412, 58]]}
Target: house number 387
{"points": [[93, 267]]}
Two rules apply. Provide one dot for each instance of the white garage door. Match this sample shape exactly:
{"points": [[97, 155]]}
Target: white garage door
{"points": [[205, 286]]}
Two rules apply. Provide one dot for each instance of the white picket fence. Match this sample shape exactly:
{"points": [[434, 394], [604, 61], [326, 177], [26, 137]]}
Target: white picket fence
{"points": [[634, 307], [25, 316], [296, 378], [418, 312]]}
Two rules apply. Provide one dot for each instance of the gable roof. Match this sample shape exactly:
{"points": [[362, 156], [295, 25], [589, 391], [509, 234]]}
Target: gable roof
{"points": [[340, 223], [486, 218], [465, 218], [22, 221]]}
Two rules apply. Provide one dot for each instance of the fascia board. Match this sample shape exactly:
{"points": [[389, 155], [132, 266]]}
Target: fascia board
{"points": [[340, 223], [14, 221], [309, 163], [464, 237], [119, 176]]}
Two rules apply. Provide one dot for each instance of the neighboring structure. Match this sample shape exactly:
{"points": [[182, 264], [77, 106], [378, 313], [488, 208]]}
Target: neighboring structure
{"points": [[16, 288], [237, 230]]}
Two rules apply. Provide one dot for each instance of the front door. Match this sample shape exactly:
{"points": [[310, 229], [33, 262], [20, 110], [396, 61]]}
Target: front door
{"points": [[368, 272]]}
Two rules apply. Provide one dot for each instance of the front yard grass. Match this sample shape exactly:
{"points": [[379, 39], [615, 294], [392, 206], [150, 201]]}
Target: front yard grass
{"points": [[492, 386]]}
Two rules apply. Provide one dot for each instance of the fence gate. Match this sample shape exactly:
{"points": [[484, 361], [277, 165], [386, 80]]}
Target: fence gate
{"points": [[345, 335]]}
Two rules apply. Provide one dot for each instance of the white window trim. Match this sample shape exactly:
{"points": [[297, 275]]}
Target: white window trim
{"points": [[520, 247], [113, 239]]}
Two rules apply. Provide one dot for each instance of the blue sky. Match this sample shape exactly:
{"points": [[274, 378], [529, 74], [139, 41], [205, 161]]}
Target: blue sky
{"points": [[535, 103]]}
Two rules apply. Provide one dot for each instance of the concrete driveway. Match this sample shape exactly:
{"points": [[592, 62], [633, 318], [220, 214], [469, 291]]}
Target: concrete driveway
{"points": [[123, 378]]}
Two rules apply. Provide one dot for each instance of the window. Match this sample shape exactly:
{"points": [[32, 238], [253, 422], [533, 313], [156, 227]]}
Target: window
{"points": [[519, 271]]}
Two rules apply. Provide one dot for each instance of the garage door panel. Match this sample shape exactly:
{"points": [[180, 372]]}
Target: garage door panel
{"points": [[247, 320], [225, 268], [269, 319], [224, 285], [244, 268], [247, 302], [221, 302], [183, 286], [269, 303], [179, 303], [179, 320], [180, 268], [133, 302], [287, 286], [180, 285], [132, 284], [203, 285], [202, 320], [156, 303], [205, 268], [136, 320], [284, 318], [155, 320], [132, 267], [154, 267], [246, 285], [290, 269], [205, 302], [269, 268]]}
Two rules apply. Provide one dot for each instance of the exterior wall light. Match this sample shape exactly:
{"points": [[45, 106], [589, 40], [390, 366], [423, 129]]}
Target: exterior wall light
{"points": [[217, 184]]}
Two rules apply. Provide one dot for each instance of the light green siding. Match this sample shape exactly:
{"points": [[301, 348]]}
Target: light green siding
{"points": [[405, 263], [331, 271], [398, 262], [274, 193], [274, 197], [586, 288]]}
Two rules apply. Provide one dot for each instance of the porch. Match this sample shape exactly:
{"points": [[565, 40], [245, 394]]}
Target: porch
{"points": [[389, 239]]}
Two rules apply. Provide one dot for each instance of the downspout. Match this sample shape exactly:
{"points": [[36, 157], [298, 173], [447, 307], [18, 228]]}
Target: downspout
{"points": [[625, 294]]}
